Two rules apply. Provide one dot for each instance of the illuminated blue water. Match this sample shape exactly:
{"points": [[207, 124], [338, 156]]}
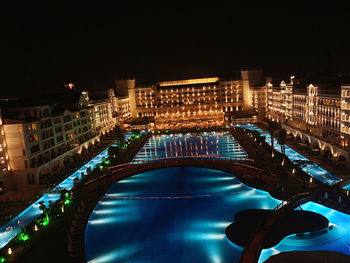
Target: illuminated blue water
{"points": [[211, 145], [313, 170], [170, 215], [337, 239], [180, 215], [12, 228], [68, 182]]}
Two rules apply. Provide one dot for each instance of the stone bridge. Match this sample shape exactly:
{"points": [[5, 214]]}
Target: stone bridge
{"points": [[239, 169]]}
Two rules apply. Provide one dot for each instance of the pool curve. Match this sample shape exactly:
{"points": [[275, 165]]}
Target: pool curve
{"points": [[180, 214]]}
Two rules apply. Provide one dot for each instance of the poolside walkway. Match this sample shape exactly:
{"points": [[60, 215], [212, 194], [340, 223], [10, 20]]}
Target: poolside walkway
{"points": [[288, 185]]}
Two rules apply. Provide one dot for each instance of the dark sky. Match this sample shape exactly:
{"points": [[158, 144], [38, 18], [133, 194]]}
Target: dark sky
{"points": [[92, 45]]}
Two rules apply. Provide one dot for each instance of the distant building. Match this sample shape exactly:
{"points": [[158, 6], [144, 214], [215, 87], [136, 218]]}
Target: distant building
{"points": [[193, 102], [120, 107], [102, 104], [345, 114]]}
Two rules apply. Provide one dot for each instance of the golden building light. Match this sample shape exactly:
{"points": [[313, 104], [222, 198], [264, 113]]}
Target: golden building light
{"points": [[188, 82]]}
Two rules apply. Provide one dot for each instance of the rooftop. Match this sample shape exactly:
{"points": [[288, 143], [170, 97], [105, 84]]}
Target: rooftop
{"points": [[24, 108], [98, 95], [64, 97]]}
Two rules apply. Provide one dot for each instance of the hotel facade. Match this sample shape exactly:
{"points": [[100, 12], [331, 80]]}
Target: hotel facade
{"points": [[4, 159], [39, 136], [190, 102], [316, 113]]}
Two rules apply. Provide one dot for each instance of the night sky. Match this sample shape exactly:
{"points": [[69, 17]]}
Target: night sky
{"points": [[92, 45]]}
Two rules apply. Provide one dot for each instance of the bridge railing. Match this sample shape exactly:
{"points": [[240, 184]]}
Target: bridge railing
{"points": [[200, 157], [191, 157], [291, 200], [253, 248], [160, 162]]}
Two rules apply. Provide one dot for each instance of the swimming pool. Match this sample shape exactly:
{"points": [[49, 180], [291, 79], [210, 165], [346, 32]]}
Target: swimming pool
{"points": [[347, 187], [313, 169], [180, 215], [211, 145], [170, 215]]}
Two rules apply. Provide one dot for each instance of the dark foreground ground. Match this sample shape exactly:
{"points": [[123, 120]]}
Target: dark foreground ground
{"points": [[298, 221], [309, 257]]}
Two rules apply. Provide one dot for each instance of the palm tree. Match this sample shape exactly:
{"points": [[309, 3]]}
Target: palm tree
{"points": [[44, 209], [114, 152], [271, 129], [120, 135], [282, 139], [42, 206]]}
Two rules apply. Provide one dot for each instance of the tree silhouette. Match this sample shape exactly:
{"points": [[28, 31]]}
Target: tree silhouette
{"points": [[282, 139], [120, 135], [271, 129]]}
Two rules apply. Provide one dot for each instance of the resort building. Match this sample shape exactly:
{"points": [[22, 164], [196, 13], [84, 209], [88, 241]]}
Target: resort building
{"points": [[102, 104], [121, 109], [345, 114], [318, 113], [42, 133], [259, 100], [4, 165], [192, 102]]}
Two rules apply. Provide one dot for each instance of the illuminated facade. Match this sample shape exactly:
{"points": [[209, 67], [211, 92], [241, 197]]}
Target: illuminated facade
{"points": [[345, 111], [4, 165], [102, 105], [259, 100], [41, 139], [190, 102], [121, 109], [39, 135], [321, 110]]}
